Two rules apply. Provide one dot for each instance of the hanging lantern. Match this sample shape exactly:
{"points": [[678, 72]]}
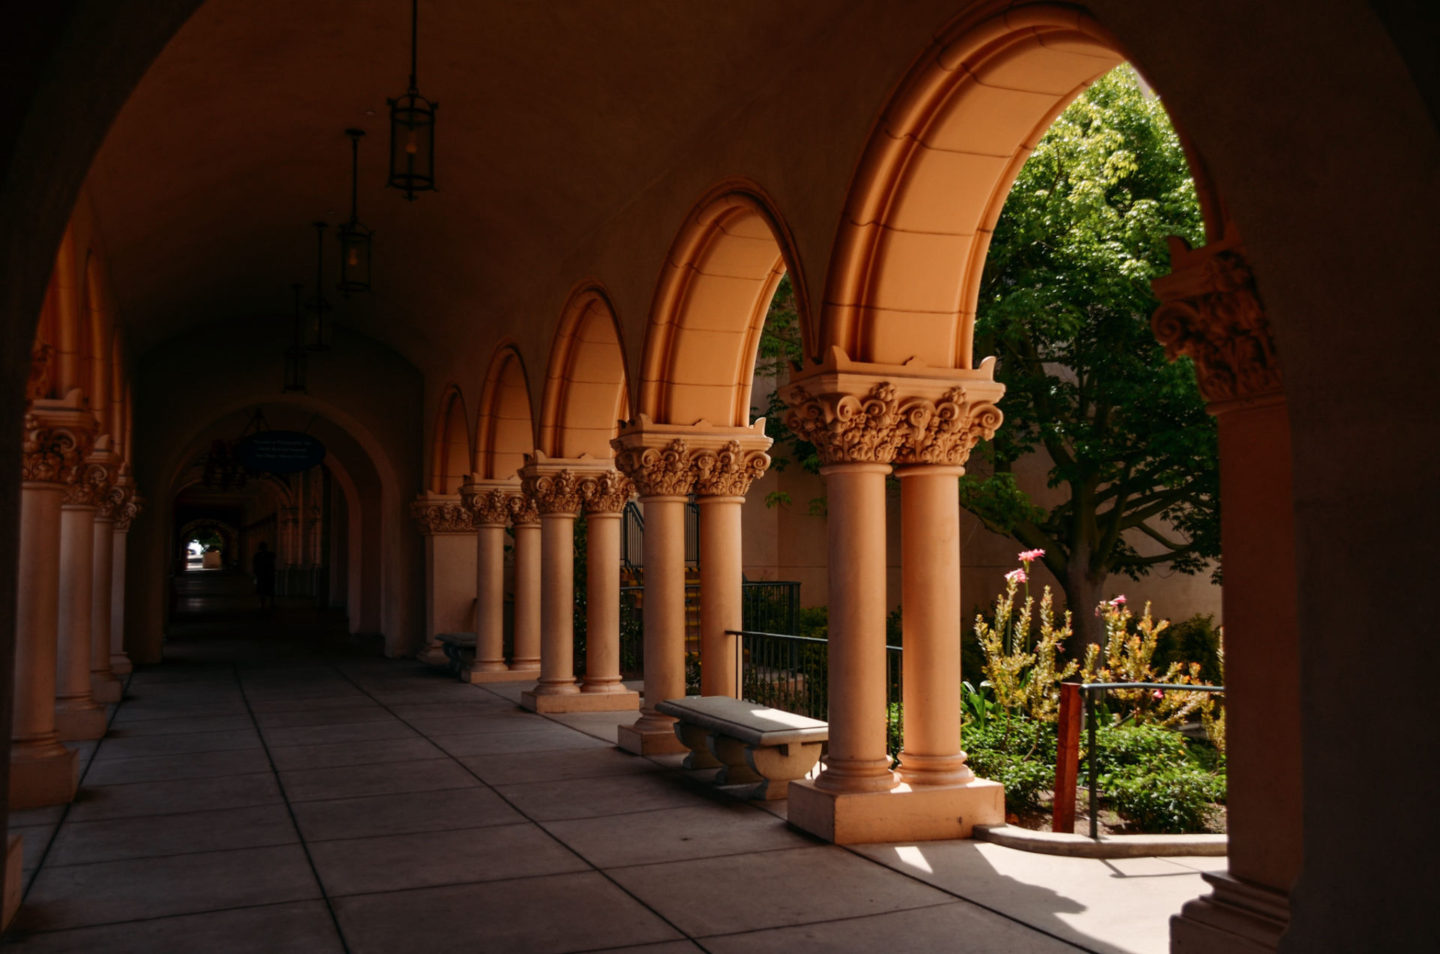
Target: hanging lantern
{"points": [[354, 237], [412, 130], [295, 354], [319, 306]]}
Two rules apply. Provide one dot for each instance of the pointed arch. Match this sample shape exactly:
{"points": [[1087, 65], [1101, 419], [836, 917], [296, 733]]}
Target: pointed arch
{"points": [[586, 385], [505, 421], [450, 453], [710, 306], [905, 273]]}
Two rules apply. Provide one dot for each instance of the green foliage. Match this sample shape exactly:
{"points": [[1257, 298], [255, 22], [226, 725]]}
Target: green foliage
{"points": [[1021, 668], [1168, 799], [1196, 639], [813, 621], [1064, 304], [1015, 751], [1128, 656]]}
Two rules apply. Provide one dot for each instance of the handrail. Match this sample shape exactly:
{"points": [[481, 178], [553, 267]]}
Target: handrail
{"points": [[806, 639], [1092, 692]]}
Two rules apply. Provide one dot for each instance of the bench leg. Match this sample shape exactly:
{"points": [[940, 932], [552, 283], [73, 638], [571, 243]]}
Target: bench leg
{"points": [[737, 769], [695, 739], [779, 765]]}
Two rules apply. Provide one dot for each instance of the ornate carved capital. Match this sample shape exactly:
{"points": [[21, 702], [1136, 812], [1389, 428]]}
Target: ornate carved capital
{"points": [[523, 512], [1210, 311], [903, 414], [728, 471], [440, 513], [554, 491], [92, 486], [54, 447], [120, 494], [126, 513], [487, 501], [606, 492], [666, 471]]}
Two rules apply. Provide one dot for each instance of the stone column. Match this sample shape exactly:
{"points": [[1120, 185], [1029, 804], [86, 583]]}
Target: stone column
{"points": [[604, 498], [1211, 311], [57, 437], [525, 519], [104, 685], [125, 515], [723, 477], [863, 417], [660, 466], [449, 535], [489, 502], [77, 715]]}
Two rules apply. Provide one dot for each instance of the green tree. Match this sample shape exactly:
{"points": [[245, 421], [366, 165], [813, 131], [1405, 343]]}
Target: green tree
{"points": [[1064, 305]]}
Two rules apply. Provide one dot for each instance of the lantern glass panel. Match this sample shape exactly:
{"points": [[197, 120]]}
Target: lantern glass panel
{"points": [[355, 247], [412, 145]]}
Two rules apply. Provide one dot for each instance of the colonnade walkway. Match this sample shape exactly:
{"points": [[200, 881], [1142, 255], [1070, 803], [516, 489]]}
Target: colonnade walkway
{"points": [[285, 794]]}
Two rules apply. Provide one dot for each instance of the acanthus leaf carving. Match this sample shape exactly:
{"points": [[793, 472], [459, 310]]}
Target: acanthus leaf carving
{"points": [[665, 471], [441, 516], [606, 492], [1219, 324], [489, 506], [53, 453], [553, 491], [848, 429], [92, 485], [523, 512], [728, 471], [947, 430]]}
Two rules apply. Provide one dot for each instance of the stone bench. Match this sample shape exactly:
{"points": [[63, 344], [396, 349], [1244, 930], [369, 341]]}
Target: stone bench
{"points": [[747, 742], [459, 650]]}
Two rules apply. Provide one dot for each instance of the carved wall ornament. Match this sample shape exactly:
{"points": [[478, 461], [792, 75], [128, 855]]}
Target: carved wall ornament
{"points": [[441, 516], [606, 492], [126, 512], [490, 506], [729, 470], [523, 512], [53, 454], [42, 372], [1211, 312], [666, 471], [553, 491], [119, 494]]}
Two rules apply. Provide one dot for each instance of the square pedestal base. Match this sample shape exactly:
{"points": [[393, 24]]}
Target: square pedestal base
{"points": [[35, 783], [476, 677], [80, 725], [901, 814], [1239, 916], [581, 702], [657, 742], [120, 664], [106, 689], [14, 876]]}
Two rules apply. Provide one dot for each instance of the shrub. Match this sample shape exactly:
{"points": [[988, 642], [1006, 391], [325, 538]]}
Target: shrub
{"points": [[1169, 799], [1017, 752], [1196, 640]]}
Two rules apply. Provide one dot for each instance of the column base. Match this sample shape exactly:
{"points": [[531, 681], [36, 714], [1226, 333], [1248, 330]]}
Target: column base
{"points": [[46, 775], [1238, 917], [79, 721], [14, 879], [649, 741], [929, 813], [580, 702], [121, 665], [478, 677], [105, 688]]}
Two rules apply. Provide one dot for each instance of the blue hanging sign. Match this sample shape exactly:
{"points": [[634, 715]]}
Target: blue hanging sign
{"points": [[279, 452]]}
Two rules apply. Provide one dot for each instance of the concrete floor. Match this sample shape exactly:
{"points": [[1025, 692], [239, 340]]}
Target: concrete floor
{"points": [[273, 794]]}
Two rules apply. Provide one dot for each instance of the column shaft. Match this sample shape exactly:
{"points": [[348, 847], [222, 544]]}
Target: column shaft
{"points": [[77, 716], [857, 761], [930, 548], [557, 605], [490, 597], [119, 662], [103, 684], [602, 603], [527, 597], [721, 577], [38, 603], [664, 608]]}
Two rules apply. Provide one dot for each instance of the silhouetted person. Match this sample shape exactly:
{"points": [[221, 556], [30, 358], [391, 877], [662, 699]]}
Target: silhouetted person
{"points": [[263, 566]]}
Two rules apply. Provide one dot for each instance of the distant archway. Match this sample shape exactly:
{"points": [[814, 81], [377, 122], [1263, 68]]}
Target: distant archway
{"points": [[451, 454], [504, 423], [585, 382]]}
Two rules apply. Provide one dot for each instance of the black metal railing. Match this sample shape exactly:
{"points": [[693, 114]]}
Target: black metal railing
{"points": [[770, 606], [1092, 693], [632, 535], [792, 672]]}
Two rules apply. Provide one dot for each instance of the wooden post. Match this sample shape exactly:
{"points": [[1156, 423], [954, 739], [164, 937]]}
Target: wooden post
{"points": [[1067, 757]]}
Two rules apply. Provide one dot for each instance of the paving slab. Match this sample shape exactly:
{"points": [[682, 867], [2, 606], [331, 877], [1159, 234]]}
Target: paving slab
{"points": [[590, 762], [154, 768], [171, 797], [120, 744], [335, 754], [303, 927], [396, 814], [428, 775], [82, 842], [591, 797], [705, 830]]}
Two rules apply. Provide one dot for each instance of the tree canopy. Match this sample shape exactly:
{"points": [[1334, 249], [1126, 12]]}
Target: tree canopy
{"points": [[1064, 305]]}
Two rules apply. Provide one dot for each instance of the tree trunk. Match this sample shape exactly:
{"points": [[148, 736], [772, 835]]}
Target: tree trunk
{"points": [[1083, 591]]}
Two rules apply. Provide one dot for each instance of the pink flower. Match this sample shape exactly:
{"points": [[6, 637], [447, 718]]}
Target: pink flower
{"points": [[1158, 694], [1017, 576], [1118, 601], [1027, 556]]}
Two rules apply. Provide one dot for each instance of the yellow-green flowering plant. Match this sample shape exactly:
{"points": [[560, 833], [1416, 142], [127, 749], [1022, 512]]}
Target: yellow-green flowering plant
{"points": [[1021, 666], [1127, 657]]}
